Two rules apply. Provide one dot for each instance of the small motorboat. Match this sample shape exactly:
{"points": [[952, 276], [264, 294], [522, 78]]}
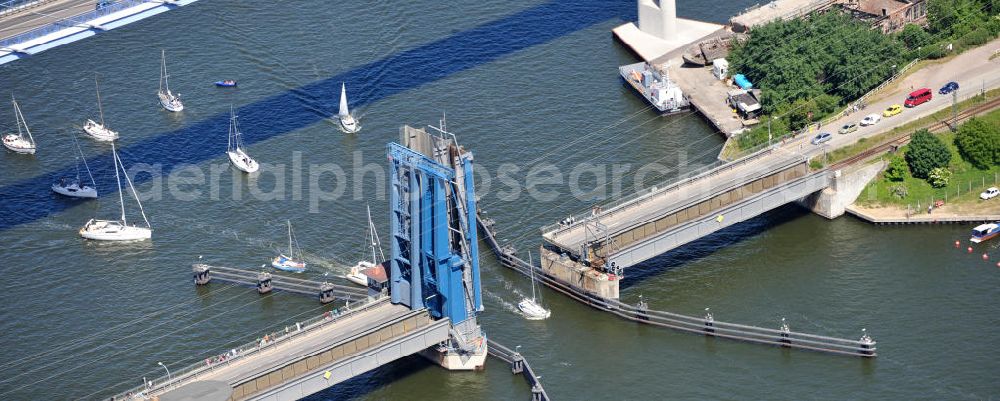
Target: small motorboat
{"points": [[226, 83], [985, 232]]}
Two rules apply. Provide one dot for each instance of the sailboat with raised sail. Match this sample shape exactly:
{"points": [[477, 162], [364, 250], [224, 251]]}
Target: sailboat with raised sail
{"points": [[356, 274], [99, 131], [18, 143], [237, 155], [531, 309], [169, 100], [118, 230], [293, 262], [75, 187], [347, 121]]}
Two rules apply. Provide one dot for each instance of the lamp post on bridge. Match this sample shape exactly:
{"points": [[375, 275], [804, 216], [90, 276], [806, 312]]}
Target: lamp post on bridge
{"points": [[165, 368]]}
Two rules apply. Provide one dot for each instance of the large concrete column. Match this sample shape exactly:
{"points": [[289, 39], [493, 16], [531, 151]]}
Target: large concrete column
{"points": [[668, 19]]}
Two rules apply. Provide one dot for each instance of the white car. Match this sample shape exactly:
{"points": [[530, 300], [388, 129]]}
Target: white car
{"points": [[989, 193], [871, 119]]}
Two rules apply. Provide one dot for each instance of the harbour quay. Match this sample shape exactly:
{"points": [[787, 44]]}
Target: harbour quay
{"points": [[691, 55]]}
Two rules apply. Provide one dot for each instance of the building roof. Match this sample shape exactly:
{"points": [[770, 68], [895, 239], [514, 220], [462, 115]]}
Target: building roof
{"points": [[875, 7], [376, 273]]}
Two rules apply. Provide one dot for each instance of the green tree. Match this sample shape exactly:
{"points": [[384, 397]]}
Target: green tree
{"points": [[979, 143], [914, 36], [896, 171], [956, 17], [926, 152], [797, 63]]}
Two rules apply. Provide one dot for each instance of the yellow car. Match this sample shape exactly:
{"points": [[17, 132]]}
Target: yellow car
{"points": [[892, 110]]}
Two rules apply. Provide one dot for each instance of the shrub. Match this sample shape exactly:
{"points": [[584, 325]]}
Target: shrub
{"points": [[896, 171], [939, 177], [815, 164], [899, 191], [980, 36], [926, 152], [914, 36]]}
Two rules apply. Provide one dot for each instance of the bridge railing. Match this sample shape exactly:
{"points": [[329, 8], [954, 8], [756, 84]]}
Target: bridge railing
{"points": [[640, 313], [13, 6], [666, 186], [75, 20], [519, 365], [274, 339]]}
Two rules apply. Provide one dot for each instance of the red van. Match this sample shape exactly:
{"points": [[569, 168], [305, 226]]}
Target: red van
{"points": [[918, 97]]}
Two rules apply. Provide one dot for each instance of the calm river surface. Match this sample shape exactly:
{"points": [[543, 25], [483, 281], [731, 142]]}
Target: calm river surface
{"points": [[523, 82]]}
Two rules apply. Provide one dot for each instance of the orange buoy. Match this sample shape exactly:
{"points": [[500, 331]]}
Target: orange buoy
{"points": [[957, 244], [986, 256], [998, 264], [970, 249]]}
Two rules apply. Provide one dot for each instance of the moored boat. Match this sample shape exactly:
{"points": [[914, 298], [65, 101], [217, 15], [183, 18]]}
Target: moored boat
{"points": [[654, 84], [225, 83], [985, 232]]}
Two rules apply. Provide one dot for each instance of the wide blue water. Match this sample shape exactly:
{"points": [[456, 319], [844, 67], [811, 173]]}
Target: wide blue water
{"points": [[529, 87]]}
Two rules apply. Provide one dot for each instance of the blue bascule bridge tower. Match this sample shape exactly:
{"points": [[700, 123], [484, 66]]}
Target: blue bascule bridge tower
{"points": [[434, 262]]}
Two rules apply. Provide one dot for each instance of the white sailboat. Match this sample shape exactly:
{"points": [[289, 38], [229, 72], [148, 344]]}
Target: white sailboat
{"points": [[75, 187], [118, 230], [293, 262], [99, 131], [169, 100], [531, 309], [347, 121], [18, 142], [237, 155], [356, 274]]}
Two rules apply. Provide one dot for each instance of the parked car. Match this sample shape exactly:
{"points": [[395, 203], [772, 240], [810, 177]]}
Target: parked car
{"points": [[892, 110], [822, 137], [871, 119], [848, 128], [948, 88], [989, 193], [918, 97]]}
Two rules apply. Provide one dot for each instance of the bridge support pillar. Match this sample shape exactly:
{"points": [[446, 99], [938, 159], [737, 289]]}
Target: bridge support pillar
{"points": [[454, 357], [844, 189], [582, 277]]}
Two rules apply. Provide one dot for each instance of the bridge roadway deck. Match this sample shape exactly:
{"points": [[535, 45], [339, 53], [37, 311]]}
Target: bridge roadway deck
{"points": [[663, 201], [46, 13], [323, 338]]}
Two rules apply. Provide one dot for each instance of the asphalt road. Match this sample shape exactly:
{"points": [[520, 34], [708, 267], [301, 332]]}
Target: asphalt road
{"points": [[42, 15]]}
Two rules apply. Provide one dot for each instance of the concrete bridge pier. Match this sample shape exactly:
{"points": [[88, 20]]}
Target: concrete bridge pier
{"points": [[578, 274], [844, 189]]}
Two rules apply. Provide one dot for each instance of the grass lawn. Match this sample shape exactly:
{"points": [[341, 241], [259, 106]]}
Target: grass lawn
{"points": [[965, 185]]}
